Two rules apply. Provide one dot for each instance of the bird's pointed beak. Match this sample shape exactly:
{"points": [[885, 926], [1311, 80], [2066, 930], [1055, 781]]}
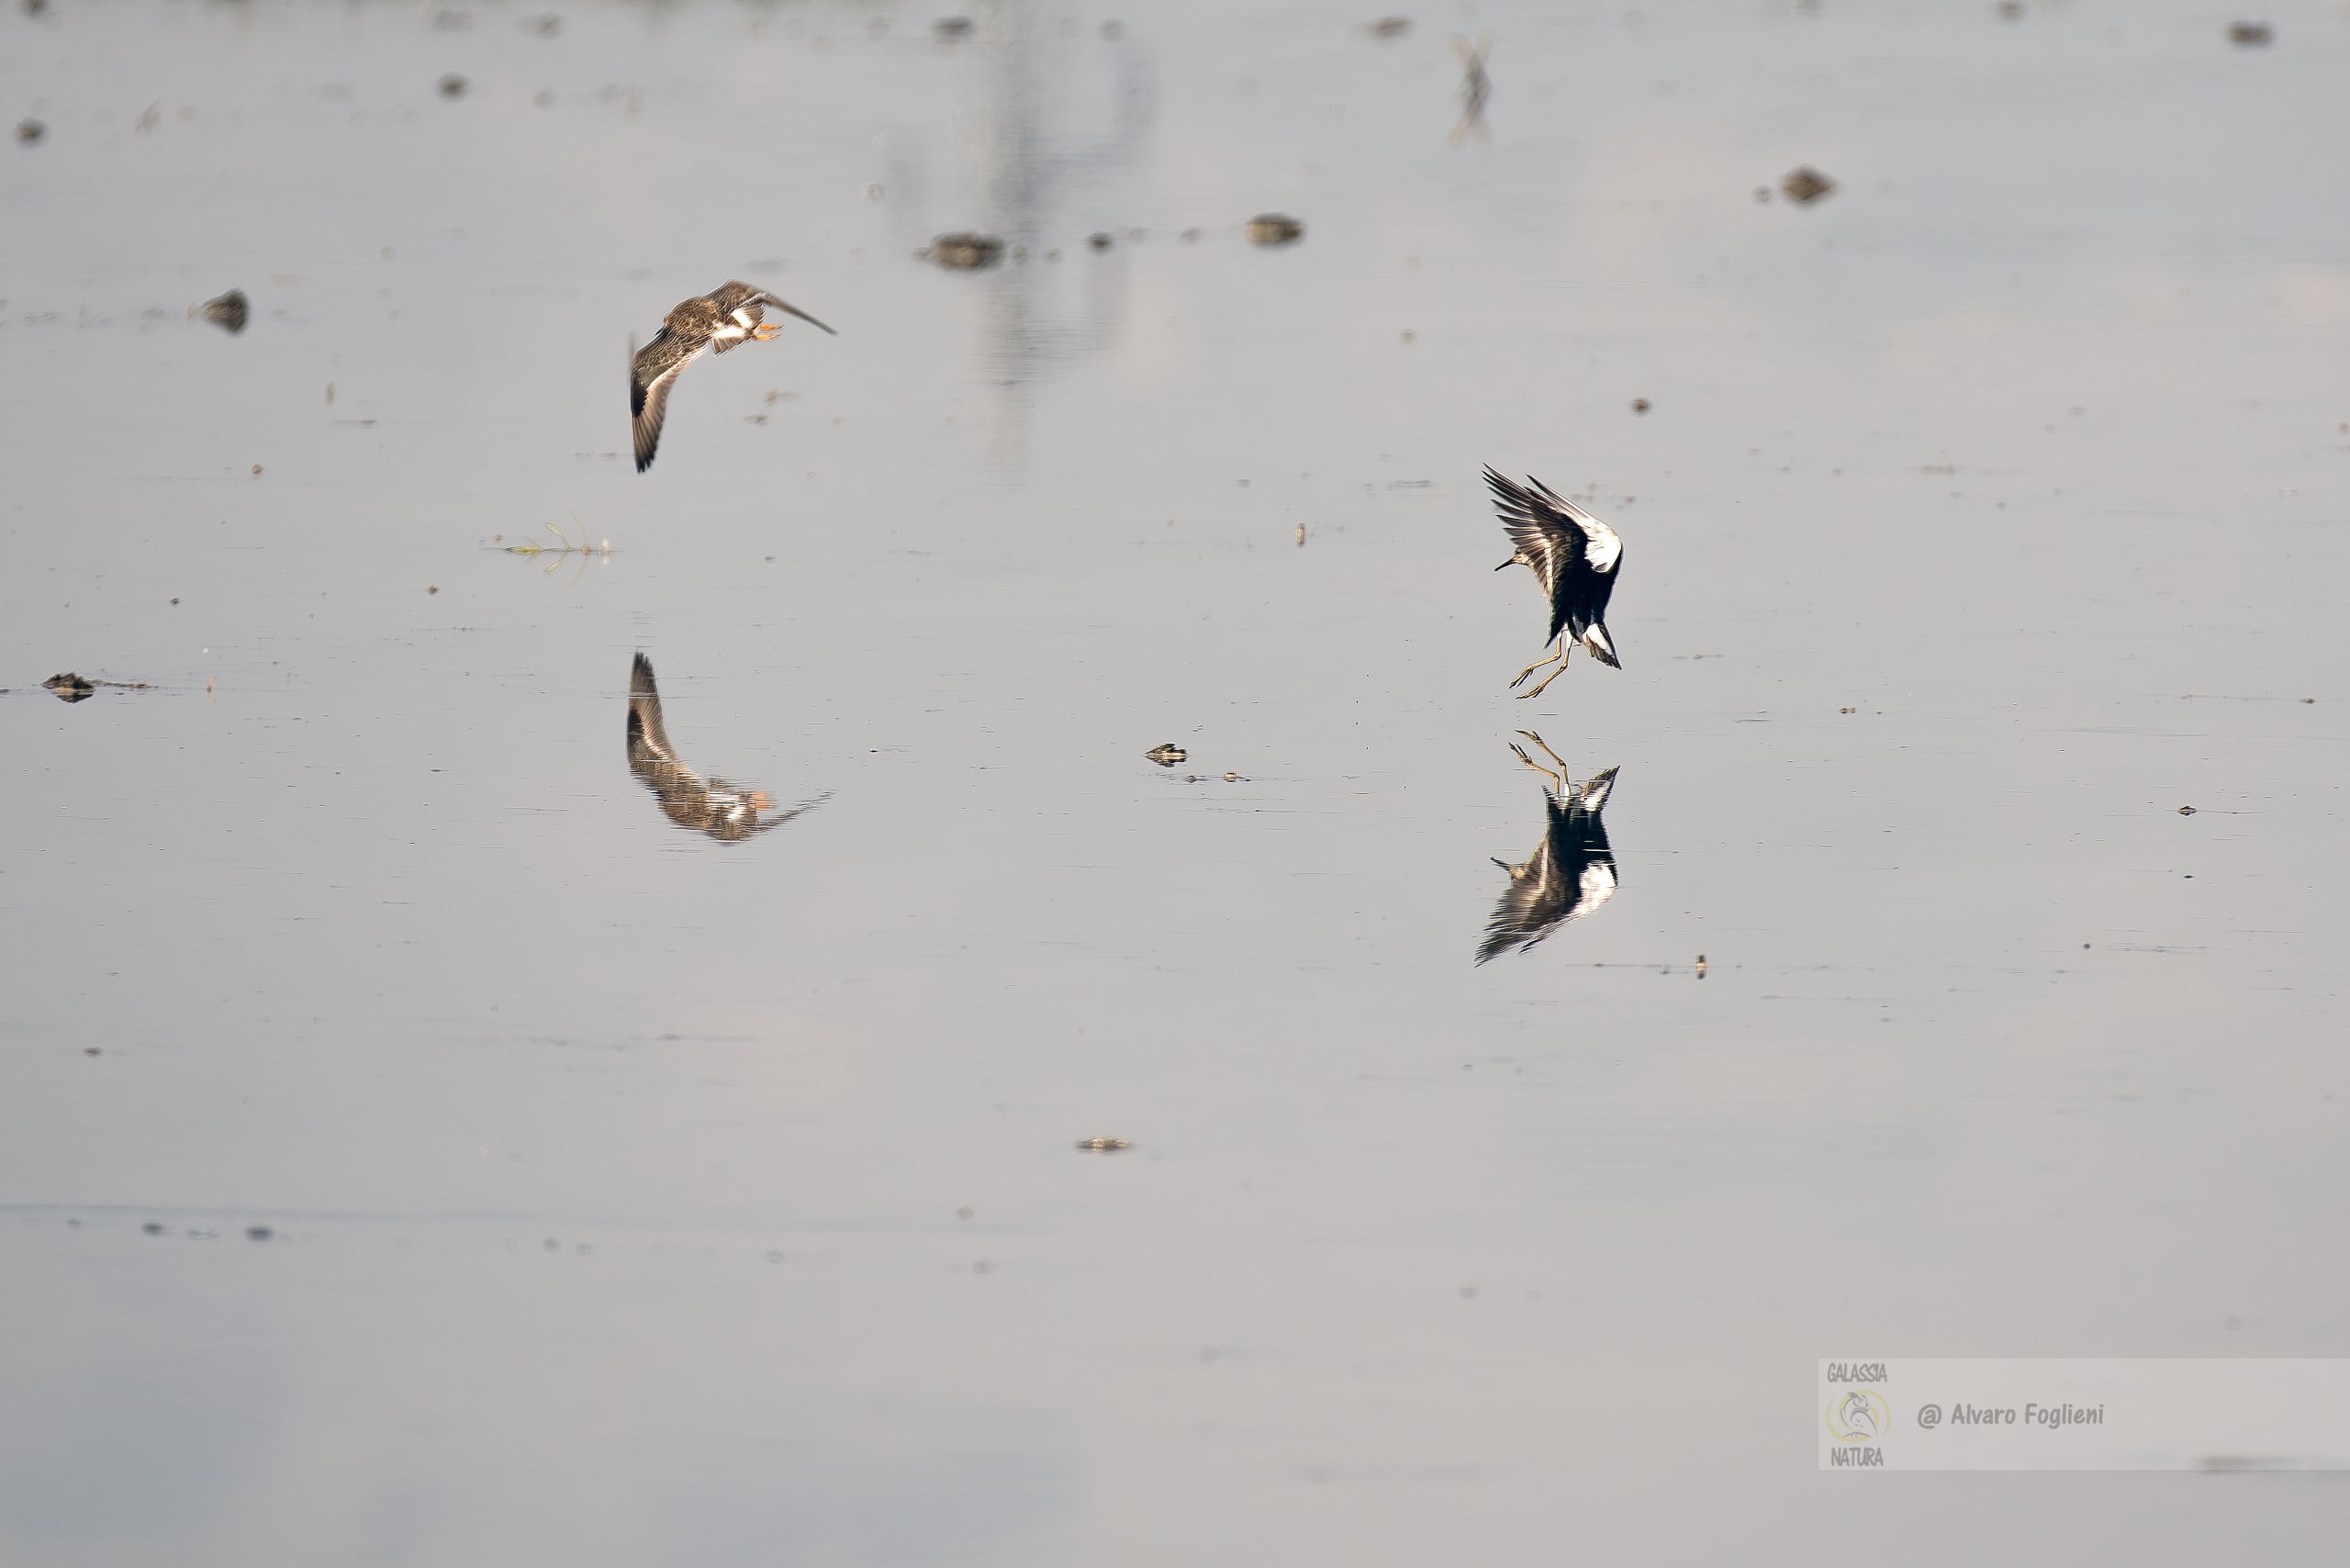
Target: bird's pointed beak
{"points": [[1505, 565]]}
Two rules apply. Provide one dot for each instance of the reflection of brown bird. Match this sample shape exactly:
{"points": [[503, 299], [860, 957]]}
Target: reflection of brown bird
{"points": [[1571, 873], [1475, 88], [724, 811], [728, 315]]}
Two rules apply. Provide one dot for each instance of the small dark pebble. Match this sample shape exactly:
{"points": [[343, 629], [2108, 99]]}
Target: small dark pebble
{"points": [[258, 1233], [230, 311], [1275, 228], [2250, 35], [30, 131], [452, 86], [70, 688], [967, 252], [1807, 185]]}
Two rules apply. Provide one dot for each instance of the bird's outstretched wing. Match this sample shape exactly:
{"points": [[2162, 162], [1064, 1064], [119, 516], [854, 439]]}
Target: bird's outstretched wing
{"points": [[648, 739], [1603, 548], [764, 297], [651, 371]]}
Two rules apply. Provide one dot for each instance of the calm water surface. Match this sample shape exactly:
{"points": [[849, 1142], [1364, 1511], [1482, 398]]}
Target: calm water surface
{"points": [[636, 1195]]}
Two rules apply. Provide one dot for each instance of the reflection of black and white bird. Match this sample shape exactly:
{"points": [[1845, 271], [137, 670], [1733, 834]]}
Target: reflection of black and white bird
{"points": [[1574, 556], [1571, 873], [724, 811], [731, 314]]}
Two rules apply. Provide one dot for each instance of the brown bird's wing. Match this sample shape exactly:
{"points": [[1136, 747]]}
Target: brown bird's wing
{"points": [[651, 371], [648, 738]]}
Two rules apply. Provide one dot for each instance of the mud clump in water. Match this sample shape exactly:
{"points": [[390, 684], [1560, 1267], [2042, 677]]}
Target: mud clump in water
{"points": [[1807, 185], [452, 86], [30, 131], [2251, 35], [966, 252], [1275, 228], [1099, 241], [229, 310]]}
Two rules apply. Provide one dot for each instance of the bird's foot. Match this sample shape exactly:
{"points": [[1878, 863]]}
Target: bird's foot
{"points": [[1537, 740], [1529, 695], [768, 332]]}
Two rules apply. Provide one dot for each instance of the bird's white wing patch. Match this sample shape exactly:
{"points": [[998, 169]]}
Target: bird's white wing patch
{"points": [[1605, 549], [1598, 885]]}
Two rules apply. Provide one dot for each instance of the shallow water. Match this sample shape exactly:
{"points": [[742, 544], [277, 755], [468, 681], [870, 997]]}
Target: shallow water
{"points": [[638, 1196]]}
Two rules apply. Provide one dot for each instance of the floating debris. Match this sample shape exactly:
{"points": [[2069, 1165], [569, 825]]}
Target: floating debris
{"points": [[1639, 404], [258, 1233], [452, 86], [966, 252], [70, 688], [30, 131], [1105, 1145], [1099, 241], [153, 1227], [1807, 185], [1168, 754], [229, 310], [2251, 35], [952, 28], [1388, 27], [1275, 228]]}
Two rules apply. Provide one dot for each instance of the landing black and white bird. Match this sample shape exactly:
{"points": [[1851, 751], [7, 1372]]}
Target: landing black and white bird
{"points": [[1571, 873], [732, 313], [1574, 556], [725, 811]]}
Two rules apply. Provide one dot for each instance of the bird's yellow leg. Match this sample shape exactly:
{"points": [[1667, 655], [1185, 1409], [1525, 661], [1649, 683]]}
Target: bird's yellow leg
{"points": [[1553, 755], [1563, 652], [1558, 780], [1538, 664], [767, 332]]}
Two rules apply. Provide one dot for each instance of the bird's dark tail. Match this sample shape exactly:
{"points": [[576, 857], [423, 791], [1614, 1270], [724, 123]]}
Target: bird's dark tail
{"points": [[1602, 647]]}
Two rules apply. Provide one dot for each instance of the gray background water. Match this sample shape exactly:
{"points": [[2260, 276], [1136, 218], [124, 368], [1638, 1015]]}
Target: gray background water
{"points": [[638, 1198]]}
